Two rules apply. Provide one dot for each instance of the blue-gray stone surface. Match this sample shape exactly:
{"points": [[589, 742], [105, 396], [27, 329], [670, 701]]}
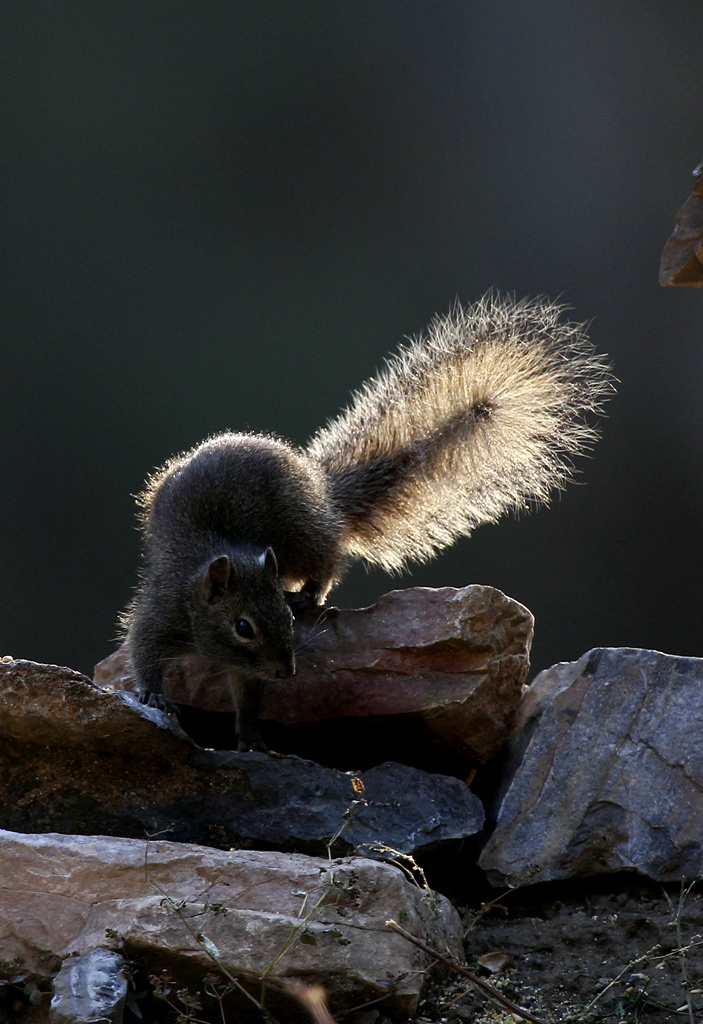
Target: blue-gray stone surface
{"points": [[605, 772]]}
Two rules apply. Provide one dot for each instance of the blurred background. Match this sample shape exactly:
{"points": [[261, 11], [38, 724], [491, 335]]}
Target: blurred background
{"points": [[225, 215]]}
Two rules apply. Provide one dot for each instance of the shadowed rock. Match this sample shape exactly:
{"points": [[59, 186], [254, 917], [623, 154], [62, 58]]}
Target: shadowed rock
{"points": [[682, 257], [431, 678], [77, 759]]}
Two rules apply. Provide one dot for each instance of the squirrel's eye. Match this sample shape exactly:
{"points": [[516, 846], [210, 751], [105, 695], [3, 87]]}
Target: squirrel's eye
{"points": [[244, 629]]}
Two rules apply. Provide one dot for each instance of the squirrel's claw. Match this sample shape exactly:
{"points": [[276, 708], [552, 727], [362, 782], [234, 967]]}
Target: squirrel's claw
{"points": [[156, 700]]}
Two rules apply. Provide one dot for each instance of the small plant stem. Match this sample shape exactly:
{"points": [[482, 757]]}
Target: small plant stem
{"points": [[198, 939], [618, 977], [294, 933], [492, 993], [682, 950]]}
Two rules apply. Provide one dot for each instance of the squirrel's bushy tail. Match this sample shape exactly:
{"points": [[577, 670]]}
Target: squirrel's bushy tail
{"points": [[482, 415]]}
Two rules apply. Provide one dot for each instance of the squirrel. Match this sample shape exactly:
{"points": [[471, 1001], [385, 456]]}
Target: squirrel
{"points": [[482, 415]]}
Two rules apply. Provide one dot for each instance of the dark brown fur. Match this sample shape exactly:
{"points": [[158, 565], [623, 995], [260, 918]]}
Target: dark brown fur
{"points": [[483, 415]]}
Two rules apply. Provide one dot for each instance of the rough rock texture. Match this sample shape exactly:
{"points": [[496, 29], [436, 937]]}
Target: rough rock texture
{"points": [[90, 988], [605, 772], [427, 677], [261, 915], [76, 759], [682, 256]]}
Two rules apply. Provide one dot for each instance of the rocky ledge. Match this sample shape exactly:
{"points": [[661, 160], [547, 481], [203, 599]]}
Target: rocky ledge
{"points": [[126, 837]]}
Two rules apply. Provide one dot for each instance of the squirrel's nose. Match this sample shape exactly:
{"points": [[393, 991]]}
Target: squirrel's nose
{"points": [[286, 668]]}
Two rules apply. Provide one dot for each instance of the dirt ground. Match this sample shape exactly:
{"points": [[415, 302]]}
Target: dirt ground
{"points": [[612, 952], [615, 951]]}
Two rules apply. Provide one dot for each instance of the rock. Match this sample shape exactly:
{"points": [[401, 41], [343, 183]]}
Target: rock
{"points": [[90, 988], [412, 811], [76, 759], [682, 257], [264, 918], [604, 773], [431, 678], [48, 705]]}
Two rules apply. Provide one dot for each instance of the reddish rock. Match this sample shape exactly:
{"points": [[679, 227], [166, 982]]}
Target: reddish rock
{"points": [[428, 677], [682, 258], [270, 917]]}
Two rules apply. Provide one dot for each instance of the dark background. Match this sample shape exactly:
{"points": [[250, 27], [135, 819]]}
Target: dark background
{"points": [[225, 214]]}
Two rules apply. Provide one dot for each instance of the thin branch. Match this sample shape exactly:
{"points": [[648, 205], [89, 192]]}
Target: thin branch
{"points": [[488, 990]]}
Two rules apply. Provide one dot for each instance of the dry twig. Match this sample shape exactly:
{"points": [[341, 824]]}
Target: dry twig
{"points": [[488, 990]]}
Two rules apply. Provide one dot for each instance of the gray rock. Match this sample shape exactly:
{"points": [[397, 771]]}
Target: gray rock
{"points": [[605, 772], [89, 989], [428, 677], [75, 759], [292, 804], [264, 918]]}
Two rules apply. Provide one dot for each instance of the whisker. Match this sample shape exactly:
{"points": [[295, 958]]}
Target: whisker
{"points": [[309, 640]]}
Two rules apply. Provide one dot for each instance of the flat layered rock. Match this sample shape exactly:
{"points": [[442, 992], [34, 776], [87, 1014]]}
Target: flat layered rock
{"points": [[77, 759], [605, 772], [265, 919], [429, 677]]}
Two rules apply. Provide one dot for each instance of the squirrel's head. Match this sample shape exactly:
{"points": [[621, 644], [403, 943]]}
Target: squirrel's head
{"points": [[240, 616]]}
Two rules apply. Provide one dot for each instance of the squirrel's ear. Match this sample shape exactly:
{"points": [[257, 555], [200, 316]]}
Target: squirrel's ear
{"points": [[268, 560], [218, 574]]}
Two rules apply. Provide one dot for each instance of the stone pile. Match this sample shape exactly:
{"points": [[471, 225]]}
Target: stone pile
{"points": [[430, 678], [127, 837]]}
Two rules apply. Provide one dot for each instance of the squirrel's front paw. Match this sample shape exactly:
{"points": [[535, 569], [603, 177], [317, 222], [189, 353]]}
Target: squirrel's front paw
{"points": [[250, 739], [156, 700], [301, 600]]}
